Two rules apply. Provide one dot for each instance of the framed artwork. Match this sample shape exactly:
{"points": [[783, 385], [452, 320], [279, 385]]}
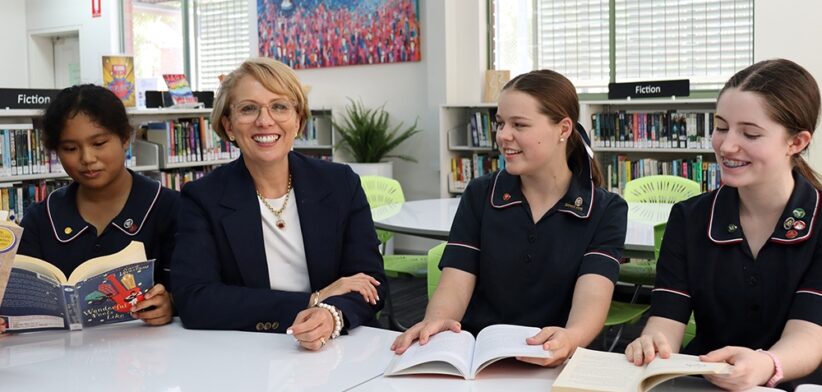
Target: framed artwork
{"points": [[331, 33]]}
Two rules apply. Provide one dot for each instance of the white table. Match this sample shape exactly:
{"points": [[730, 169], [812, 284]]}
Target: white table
{"points": [[432, 218], [134, 357]]}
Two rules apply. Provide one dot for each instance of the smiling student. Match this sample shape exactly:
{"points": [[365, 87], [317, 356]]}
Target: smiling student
{"points": [[537, 244], [747, 257], [107, 206]]}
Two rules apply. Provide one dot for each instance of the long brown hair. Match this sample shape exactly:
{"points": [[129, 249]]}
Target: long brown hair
{"points": [[557, 98], [791, 98]]}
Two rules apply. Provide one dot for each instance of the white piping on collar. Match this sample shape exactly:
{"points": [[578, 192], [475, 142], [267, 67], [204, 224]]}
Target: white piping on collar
{"points": [[810, 226], [809, 291], [494, 190], [143, 221], [711, 222], [51, 221]]}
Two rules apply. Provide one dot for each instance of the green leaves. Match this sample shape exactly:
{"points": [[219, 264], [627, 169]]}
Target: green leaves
{"points": [[367, 136]]}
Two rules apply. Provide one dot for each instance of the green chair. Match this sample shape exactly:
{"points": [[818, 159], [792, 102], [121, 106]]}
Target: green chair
{"points": [[690, 331], [660, 189], [434, 256], [382, 191]]}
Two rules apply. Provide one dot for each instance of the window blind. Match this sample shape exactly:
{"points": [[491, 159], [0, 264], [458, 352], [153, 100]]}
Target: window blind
{"points": [[221, 39], [705, 41]]}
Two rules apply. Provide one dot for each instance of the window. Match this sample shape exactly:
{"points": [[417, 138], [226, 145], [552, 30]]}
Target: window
{"points": [[153, 34], [705, 41], [221, 40]]}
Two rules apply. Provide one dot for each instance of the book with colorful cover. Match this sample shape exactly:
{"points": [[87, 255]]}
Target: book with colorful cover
{"points": [[10, 234], [180, 90], [118, 76], [100, 291]]}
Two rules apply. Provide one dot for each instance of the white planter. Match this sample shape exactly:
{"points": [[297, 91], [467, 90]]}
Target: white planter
{"points": [[384, 169]]}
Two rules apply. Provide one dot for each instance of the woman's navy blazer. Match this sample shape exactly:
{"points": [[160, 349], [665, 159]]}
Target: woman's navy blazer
{"points": [[219, 268]]}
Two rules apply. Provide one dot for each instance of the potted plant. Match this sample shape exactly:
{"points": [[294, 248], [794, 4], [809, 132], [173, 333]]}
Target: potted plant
{"points": [[365, 134]]}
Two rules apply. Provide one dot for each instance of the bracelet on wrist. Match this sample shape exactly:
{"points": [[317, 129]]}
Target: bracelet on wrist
{"points": [[777, 369], [336, 315]]}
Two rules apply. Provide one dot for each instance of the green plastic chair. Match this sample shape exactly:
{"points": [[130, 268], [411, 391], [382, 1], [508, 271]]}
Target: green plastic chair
{"points": [[434, 256], [660, 189], [690, 331], [380, 191]]}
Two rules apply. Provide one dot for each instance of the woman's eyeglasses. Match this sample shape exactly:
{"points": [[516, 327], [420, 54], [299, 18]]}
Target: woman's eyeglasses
{"points": [[247, 112]]}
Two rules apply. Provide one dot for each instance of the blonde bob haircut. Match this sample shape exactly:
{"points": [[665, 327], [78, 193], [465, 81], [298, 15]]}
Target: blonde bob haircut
{"points": [[273, 75]]}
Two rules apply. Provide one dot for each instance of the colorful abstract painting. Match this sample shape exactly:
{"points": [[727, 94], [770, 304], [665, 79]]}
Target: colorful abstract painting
{"points": [[331, 33]]}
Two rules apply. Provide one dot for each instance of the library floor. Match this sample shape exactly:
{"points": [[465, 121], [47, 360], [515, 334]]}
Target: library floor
{"points": [[410, 298]]}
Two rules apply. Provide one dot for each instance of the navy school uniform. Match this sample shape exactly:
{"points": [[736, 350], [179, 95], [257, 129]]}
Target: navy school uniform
{"points": [[706, 266], [55, 231], [526, 271]]}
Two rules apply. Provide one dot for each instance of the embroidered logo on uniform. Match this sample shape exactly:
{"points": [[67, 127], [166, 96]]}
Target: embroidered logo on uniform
{"points": [[799, 225], [788, 223], [791, 234], [798, 213], [67, 230], [506, 197], [732, 228], [127, 224], [578, 202]]}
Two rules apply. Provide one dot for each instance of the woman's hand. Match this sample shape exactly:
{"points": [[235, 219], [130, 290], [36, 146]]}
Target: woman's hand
{"points": [[361, 283], [2, 325], [423, 331], [644, 349], [559, 341], [749, 368], [312, 328], [162, 312]]}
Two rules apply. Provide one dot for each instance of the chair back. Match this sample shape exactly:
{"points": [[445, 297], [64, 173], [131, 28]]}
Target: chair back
{"points": [[434, 256], [661, 189], [381, 191]]}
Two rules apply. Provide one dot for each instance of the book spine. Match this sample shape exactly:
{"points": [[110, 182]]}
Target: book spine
{"points": [[74, 319]]}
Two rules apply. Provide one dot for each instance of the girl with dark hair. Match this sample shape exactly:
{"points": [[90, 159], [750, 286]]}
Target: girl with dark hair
{"points": [[107, 206], [539, 243], [747, 257]]}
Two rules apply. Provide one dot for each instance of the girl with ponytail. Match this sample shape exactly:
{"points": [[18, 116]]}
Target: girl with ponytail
{"points": [[537, 244], [746, 259]]}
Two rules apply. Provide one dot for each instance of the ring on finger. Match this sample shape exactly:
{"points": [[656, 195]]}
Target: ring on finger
{"points": [[322, 342]]}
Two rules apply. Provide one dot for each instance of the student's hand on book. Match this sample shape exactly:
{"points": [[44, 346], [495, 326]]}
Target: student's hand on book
{"points": [[312, 328], [749, 368], [423, 331], [645, 348], [361, 283], [156, 308], [559, 341]]}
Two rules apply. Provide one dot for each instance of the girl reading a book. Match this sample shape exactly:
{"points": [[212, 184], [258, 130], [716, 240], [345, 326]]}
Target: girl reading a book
{"points": [[538, 243], [746, 259], [274, 241], [107, 206]]}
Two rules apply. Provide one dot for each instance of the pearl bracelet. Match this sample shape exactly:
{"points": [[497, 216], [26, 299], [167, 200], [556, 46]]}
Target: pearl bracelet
{"points": [[337, 315]]}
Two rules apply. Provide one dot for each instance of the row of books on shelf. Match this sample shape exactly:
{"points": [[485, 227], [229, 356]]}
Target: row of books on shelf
{"points": [[620, 170], [16, 197], [23, 153], [670, 129], [189, 140], [175, 179], [310, 135], [481, 129], [463, 170]]}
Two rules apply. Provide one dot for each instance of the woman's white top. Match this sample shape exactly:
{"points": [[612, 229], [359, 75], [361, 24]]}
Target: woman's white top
{"points": [[284, 248]]}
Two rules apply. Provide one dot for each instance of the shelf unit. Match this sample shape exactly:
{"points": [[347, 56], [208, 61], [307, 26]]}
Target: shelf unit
{"points": [[461, 139], [455, 121]]}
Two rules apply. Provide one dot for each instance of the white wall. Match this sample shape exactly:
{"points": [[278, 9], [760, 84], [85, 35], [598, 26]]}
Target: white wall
{"points": [[791, 29], [98, 36], [13, 67]]}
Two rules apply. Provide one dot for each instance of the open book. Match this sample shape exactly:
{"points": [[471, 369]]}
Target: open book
{"points": [[590, 370], [100, 291], [10, 235], [459, 354]]}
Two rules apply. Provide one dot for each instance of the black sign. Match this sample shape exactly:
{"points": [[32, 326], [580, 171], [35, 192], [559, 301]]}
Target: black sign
{"points": [[652, 89], [26, 98]]}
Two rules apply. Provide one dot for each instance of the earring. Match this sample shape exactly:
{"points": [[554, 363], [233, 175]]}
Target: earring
{"points": [[562, 139], [231, 138]]}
